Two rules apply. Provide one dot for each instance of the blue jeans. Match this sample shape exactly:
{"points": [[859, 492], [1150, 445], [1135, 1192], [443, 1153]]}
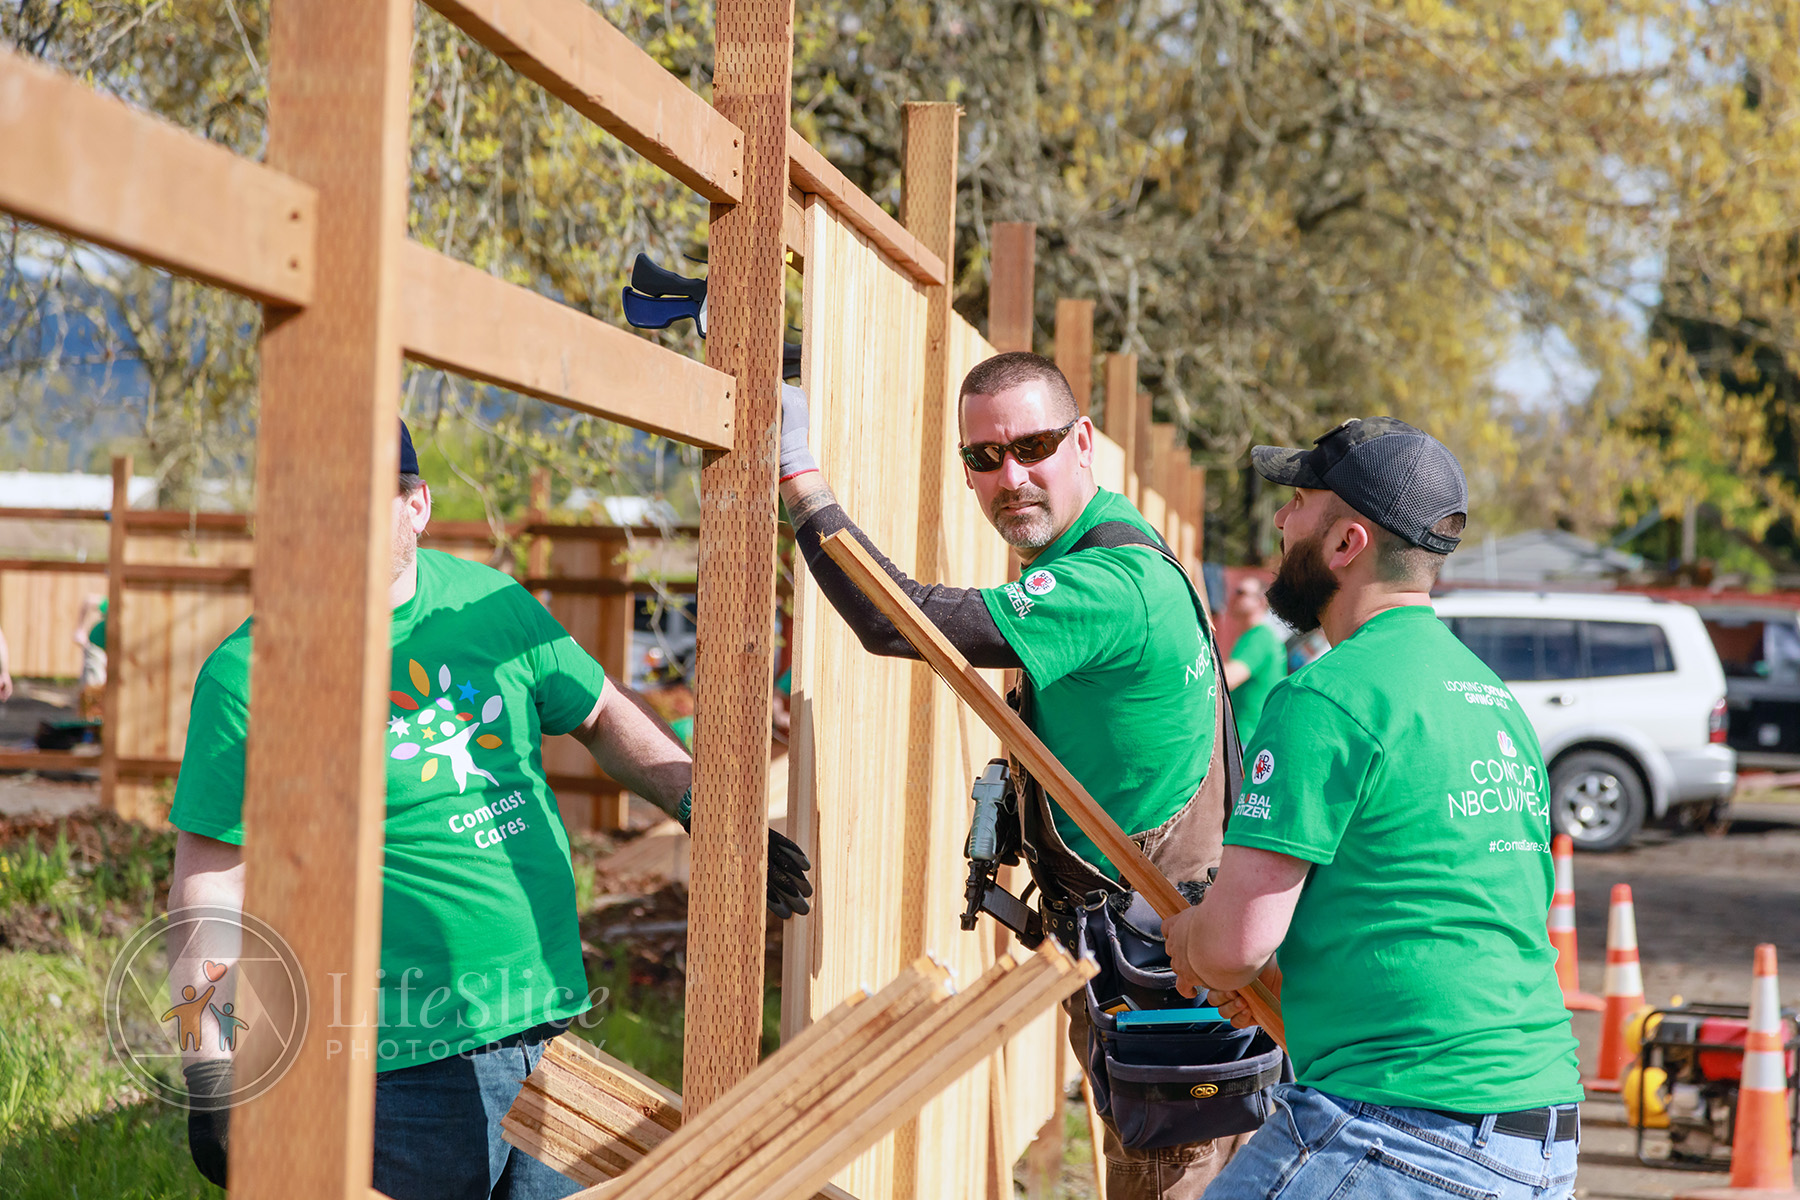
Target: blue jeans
{"points": [[437, 1127], [1320, 1147]]}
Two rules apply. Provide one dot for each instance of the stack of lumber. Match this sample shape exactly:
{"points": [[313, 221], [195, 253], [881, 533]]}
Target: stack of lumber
{"points": [[589, 1115], [845, 1082]]}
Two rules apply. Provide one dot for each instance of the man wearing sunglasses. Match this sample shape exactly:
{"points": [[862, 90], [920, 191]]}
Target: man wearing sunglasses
{"points": [[1120, 676]]}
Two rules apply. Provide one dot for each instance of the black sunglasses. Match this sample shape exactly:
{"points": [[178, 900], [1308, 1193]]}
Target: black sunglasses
{"points": [[1032, 448]]}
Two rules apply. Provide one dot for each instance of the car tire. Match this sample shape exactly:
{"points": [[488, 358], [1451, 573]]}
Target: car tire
{"points": [[1597, 799]]}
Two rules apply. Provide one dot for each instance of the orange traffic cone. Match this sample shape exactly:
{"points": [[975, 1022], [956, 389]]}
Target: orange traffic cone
{"points": [[1761, 1162], [1624, 992], [1562, 928]]}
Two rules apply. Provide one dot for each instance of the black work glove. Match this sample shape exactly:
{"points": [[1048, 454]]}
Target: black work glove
{"points": [[209, 1115], [788, 865], [788, 885]]}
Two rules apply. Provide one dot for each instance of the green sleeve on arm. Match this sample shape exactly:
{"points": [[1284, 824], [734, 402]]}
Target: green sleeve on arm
{"points": [[1090, 614], [569, 681], [209, 792], [1304, 776]]}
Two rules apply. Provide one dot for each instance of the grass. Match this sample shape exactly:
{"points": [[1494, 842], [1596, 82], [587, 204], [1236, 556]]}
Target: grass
{"points": [[73, 1126]]}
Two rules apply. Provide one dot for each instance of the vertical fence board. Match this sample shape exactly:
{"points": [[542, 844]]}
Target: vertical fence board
{"points": [[735, 665], [313, 805], [1075, 349]]}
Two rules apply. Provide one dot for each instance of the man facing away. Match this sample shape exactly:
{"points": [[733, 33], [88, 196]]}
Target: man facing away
{"points": [[1117, 661], [1393, 840], [481, 958]]}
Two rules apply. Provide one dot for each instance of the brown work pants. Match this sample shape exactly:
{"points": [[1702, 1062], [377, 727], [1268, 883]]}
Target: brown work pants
{"points": [[1169, 1173]]}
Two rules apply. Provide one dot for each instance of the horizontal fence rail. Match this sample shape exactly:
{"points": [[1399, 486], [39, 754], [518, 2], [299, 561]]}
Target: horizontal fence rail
{"points": [[94, 167]]}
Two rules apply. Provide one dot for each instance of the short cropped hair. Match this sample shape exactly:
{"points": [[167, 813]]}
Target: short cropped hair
{"points": [[410, 484], [1399, 561], [1013, 368]]}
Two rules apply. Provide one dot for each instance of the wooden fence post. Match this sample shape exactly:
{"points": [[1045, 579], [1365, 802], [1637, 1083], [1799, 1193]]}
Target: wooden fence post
{"points": [[1143, 447], [736, 662], [1197, 552], [1075, 349], [1012, 283], [1120, 415], [113, 726], [315, 782], [928, 210]]}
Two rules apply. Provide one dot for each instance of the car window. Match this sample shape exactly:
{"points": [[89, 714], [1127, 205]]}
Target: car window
{"points": [[1782, 646], [1522, 649], [1626, 648]]}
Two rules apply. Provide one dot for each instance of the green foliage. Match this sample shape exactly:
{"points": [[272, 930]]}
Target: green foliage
{"points": [[1292, 213]]}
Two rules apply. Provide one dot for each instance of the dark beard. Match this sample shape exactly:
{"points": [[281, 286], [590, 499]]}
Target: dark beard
{"points": [[1303, 587]]}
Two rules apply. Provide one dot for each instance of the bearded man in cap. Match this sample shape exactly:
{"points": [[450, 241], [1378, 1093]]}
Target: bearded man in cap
{"points": [[1392, 840]]}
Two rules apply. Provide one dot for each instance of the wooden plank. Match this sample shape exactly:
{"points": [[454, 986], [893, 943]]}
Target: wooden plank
{"points": [[573, 586], [793, 228], [813, 173], [118, 670], [1012, 284], [1120, 415], [1197, 552], [325, 485], [153, 573], [459, 318], [928, 210], [606, 533], [1143, 446], [576, 55], [746, 295], [1075, 349], [47, 760], [97, 169], [54, 514], [55, 566], [1134, 868], [956, 1037]]}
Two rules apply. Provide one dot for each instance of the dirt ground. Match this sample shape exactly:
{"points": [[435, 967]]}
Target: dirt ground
{"points": [[1703, 903]]}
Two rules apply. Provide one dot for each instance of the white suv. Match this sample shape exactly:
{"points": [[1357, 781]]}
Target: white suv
{"points": [[1627, 697]]}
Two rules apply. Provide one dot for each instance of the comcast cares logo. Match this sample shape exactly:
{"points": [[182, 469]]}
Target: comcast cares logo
{"points": [[1506, 745], [206, 980], [1040, 582], [1263, 767], [441, 730]]}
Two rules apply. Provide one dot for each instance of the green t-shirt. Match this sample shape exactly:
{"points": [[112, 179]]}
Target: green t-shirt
{"points": [[478, 921], [1123, 688], [1418, 970], [1259, 648]]}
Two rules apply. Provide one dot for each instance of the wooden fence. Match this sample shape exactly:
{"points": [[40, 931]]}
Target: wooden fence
{"points": [[318, 236], [188, 585]]}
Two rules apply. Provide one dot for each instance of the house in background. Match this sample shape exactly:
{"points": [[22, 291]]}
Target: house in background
{"points": [[1541, 558]]}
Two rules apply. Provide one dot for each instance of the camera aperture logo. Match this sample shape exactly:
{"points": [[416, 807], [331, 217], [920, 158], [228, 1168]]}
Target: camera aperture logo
{"points": [[206, 982]]}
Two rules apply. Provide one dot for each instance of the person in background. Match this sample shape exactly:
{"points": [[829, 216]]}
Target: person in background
{"points": [[6, 683], [90, 635], [1258, 658]]}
